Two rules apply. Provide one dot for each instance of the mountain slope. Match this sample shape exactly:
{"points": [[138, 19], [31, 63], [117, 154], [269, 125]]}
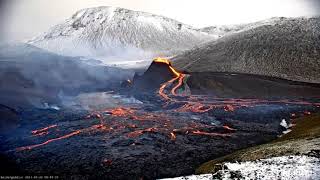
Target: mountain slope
{"points": [[117, 32], [288, 48]]}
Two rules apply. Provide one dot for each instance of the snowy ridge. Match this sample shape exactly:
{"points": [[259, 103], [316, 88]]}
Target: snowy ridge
{"points": [[119, 33], [223, 30]]}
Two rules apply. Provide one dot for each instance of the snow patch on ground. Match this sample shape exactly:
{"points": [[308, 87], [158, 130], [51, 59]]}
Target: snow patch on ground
{"points": [[287, 126], [284, 167], [284, 123]]}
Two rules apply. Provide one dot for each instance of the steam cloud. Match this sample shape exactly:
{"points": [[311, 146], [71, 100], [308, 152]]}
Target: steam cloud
{"points": [[30, 75]]}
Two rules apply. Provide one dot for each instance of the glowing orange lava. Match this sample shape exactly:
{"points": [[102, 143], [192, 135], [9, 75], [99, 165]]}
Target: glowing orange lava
{"points": [[48, 141], [178, 76], [229, 108], [173, 136], [197, 132], [228, 128], [174, 89], [166, 61], [162, 60], [163, 86], [123, 112], [39, 131], [140, 132]]}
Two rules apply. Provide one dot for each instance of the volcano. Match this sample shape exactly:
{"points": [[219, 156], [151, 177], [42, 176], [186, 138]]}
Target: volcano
{"points": [[223, 85]]}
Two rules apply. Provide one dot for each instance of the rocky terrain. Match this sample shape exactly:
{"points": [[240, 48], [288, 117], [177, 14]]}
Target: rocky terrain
{"points": [[286, 47]]}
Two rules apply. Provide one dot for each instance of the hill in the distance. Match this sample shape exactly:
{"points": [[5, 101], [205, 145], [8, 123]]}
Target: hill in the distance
{"points": [[288, 48]]}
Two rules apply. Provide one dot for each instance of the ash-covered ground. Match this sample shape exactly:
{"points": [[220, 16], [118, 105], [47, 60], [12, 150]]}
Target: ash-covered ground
{"points": [[164, 131]]}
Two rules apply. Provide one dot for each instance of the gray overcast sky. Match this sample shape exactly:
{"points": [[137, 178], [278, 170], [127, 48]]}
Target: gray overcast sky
{"points": [[24, 19]]}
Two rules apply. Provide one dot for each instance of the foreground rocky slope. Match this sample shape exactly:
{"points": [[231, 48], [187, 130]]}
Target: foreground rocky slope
{"points": [[288, 48], [295, 155], [302, 143]]}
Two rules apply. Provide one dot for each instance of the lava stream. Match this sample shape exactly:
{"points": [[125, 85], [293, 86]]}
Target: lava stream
{"points": [[209, 133], [163, 86], [48, 141], [41, 131], [174, 89], [203, 103], [178, 76]]}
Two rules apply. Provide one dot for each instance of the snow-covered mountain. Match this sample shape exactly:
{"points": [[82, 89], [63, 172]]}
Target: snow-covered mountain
{"points": [[119, 33]]}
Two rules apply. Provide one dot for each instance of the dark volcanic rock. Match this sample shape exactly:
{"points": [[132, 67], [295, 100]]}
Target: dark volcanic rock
{"points": [[288, 48], [249, 86], [9, 118], [156, 74]]}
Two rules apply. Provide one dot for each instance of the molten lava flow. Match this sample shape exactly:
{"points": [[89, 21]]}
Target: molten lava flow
{"points": [[48, 141], [174, 71], [123, 112], [166, 61], [174, 89], [196, 107], [197, 132], [173, 136], [140, 132], [178, 75], [162, 60], [229, 108], [43, 130], [228, 128], [163, 86], [41, 133]]}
